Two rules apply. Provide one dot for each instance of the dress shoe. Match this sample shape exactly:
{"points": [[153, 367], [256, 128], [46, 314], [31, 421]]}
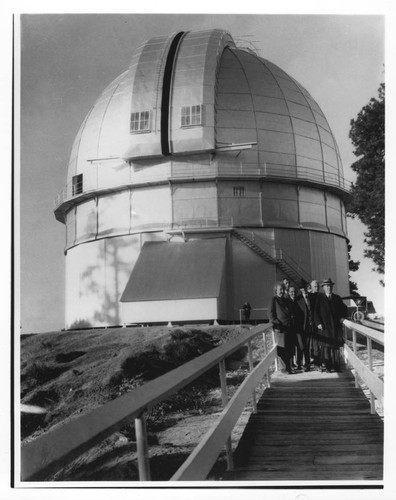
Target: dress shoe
{"points": [[306, 368]]}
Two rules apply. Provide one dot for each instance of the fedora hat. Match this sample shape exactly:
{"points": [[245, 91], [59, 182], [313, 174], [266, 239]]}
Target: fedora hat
{"points": [[302, 284], [327, 281]]}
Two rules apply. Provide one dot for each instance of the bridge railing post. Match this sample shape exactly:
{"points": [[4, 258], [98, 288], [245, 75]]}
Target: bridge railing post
{"points": [[142, 448], [265, 354], [224, 398], [370, 364], [346, 332], [251, 366], [354, 351], [274, 344]]}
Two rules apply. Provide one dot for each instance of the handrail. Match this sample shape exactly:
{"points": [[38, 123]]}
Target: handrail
{"points": [[200, 462], [373, 382], [366, 331], [252, 309], [293, 264], [59, 447], [373, 324], [278, 254], [261, 242]]}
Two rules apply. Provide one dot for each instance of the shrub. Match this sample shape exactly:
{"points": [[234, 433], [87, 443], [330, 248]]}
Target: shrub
{"points": [[78, 324], [184, 346], [38, 372], [148, 364]]}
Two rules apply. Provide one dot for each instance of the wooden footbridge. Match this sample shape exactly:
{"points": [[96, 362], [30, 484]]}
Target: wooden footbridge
{"points": [[309, 426]]}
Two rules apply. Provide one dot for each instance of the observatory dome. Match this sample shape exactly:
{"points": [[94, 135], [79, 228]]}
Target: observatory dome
{"points": [[234, 96], [199, 138]]}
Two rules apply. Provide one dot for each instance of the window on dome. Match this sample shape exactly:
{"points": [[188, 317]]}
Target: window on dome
{"points": [[191, 115], [239, 191], [77, 184], [140, 121]]}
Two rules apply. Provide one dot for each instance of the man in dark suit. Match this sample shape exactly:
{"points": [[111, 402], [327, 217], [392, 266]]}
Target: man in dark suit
{"points": [[329, 314], [314, 348], [303, 344]]}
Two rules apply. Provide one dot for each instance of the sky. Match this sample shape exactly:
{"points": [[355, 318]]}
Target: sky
{"points": [[67, 60]]}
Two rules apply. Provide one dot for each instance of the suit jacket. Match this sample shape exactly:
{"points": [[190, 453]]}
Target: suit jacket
{"points": [[328, 314], [307, 311], [280, 315]]}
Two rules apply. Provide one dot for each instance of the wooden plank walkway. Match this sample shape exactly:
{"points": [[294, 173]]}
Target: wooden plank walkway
{"points": [[310, 426]]}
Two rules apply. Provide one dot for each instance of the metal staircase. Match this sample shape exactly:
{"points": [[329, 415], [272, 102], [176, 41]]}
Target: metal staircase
{"points": [[275, 256]]}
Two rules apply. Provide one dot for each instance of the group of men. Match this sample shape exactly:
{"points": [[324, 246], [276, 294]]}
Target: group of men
{"points": [[309, 325]]}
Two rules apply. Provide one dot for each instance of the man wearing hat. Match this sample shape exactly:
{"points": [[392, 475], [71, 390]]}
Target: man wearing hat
{"points": [[304, 336], [329, 314]]}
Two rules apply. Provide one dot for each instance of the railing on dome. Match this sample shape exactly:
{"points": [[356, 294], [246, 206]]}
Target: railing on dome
{"points": [[213, 169]]}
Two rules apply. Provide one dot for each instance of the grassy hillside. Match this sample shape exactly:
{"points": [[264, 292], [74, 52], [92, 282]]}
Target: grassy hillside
{"points": [[71, 373]]}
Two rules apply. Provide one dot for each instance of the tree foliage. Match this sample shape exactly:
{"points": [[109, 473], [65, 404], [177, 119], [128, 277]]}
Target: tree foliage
{"points": [[368, 192], [353, 266]]}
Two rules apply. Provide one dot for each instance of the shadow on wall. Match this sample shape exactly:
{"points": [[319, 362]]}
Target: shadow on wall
{"points": [[105, 280]]}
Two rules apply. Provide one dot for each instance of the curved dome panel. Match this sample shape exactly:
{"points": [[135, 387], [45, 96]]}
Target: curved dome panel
{"points": [[259, 103], [147, 114]]}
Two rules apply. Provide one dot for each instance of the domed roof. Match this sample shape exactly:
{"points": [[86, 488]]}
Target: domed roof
{"points": [[196, 92]]}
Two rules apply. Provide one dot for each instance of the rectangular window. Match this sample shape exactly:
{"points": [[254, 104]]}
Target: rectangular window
{"points": [[140, 121], [77, 184], [191, 115], [239, 191]]}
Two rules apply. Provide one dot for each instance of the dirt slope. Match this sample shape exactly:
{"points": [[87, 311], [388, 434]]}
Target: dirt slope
{"points": [[71, 373]]}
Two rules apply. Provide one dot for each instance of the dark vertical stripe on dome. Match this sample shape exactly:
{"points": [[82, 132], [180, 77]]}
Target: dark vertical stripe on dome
{"points": [[166, 89]]}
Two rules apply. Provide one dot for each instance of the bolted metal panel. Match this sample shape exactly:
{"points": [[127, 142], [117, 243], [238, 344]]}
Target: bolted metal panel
{"points": [[323, 258], [300, 111], [305, 129], [70, 227], [151, 207], [310, 148], [312, 208], [241, 210], [195, 204], [114, 133], [342, 268], [114, 214], [296, 245], [86, 227], [333, 210], [269, 121], [279, 205]]}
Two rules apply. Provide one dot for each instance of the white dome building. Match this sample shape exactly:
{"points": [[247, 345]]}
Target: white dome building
{"points": [[201, 175]]}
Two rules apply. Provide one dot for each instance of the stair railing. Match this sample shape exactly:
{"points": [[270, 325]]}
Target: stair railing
{"points": [[277, 254]]}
